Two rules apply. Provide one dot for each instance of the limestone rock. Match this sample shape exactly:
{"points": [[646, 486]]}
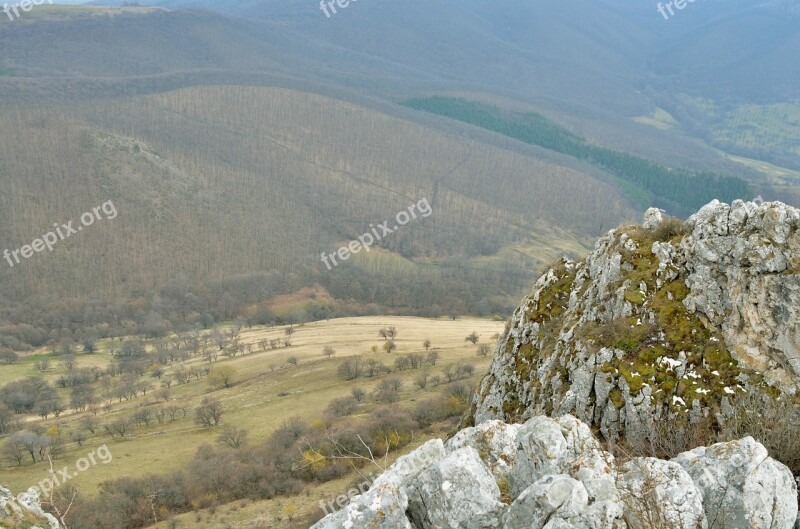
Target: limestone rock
{"points": [[457, 492], [561, 478], [383, 506], [24, 511], [657, 320], [496, 441], [660, 494], [652, 218], [742, 486], [552, 501]]}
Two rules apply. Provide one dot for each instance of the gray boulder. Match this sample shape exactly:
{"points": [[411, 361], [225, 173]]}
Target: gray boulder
{"points": [[742, 487], [24, 511], [496, 441], [381, 507], [457, 492], [660, 493], [553, 474], [556, 500]]}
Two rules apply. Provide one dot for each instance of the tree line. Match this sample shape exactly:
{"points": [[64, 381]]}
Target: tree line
{"points": [[679, 190]]}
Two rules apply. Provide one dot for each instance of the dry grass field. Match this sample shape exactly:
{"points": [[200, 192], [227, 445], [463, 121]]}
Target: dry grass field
{"points": [[267, 390]]}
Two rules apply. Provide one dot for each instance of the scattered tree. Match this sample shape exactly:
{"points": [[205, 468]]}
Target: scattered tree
{"points": [[289, 510], [341, 407], [433, 356], [43, 365], [351, 369], [233, 437], [209, 413], [222, 376], [89, 346], [388, 333], [8, 356], [358, 394]]}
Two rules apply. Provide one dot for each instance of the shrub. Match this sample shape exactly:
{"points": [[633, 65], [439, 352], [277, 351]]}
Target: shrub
{"points": [[342, 407], [222, 376], [351, 368], [209, 413], [233, 437], [668, 228], [358, 394]]}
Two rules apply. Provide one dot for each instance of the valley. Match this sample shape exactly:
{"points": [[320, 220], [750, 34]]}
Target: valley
{"points": [[269, 388], [325, 216]]}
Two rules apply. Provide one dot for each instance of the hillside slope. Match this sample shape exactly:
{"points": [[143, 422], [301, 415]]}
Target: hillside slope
{"points": [[597, 67], [216, 186]]}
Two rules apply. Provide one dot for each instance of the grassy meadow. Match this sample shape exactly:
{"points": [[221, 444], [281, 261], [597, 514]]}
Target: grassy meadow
{"points": [[267, 390]]}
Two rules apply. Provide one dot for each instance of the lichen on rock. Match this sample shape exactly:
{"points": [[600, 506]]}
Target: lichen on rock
{"points": [[24, 511], [660, 319]]}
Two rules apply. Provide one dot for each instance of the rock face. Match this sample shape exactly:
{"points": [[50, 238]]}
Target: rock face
{"points": [[24, 512], [661, 320], [658, 319], [741, 485], [552, 473]]}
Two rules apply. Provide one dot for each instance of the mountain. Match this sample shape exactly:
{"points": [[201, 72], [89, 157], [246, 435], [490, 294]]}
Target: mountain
{"points": [[242, 140], [659, 319], [605, 63], [227, 196]]}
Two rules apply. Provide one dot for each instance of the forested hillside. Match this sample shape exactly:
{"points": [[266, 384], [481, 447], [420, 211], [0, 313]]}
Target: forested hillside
{"points": [[227, 196], [240, 144], [678, 190]]}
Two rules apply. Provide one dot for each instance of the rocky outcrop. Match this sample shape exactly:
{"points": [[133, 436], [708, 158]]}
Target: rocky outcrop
{"points": [[663, 320], [552, 473], [659, 319], [741, 485], [24, 512]]}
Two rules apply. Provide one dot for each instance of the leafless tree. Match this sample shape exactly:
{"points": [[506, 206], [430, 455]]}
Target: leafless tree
{"points": [[388, 333], [43, 365], [433, 357], [358, 394], [233, 437], [421, 381], [209, 413]]}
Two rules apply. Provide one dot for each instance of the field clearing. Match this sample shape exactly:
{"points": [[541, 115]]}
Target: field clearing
{"points": [[266, 392]]}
